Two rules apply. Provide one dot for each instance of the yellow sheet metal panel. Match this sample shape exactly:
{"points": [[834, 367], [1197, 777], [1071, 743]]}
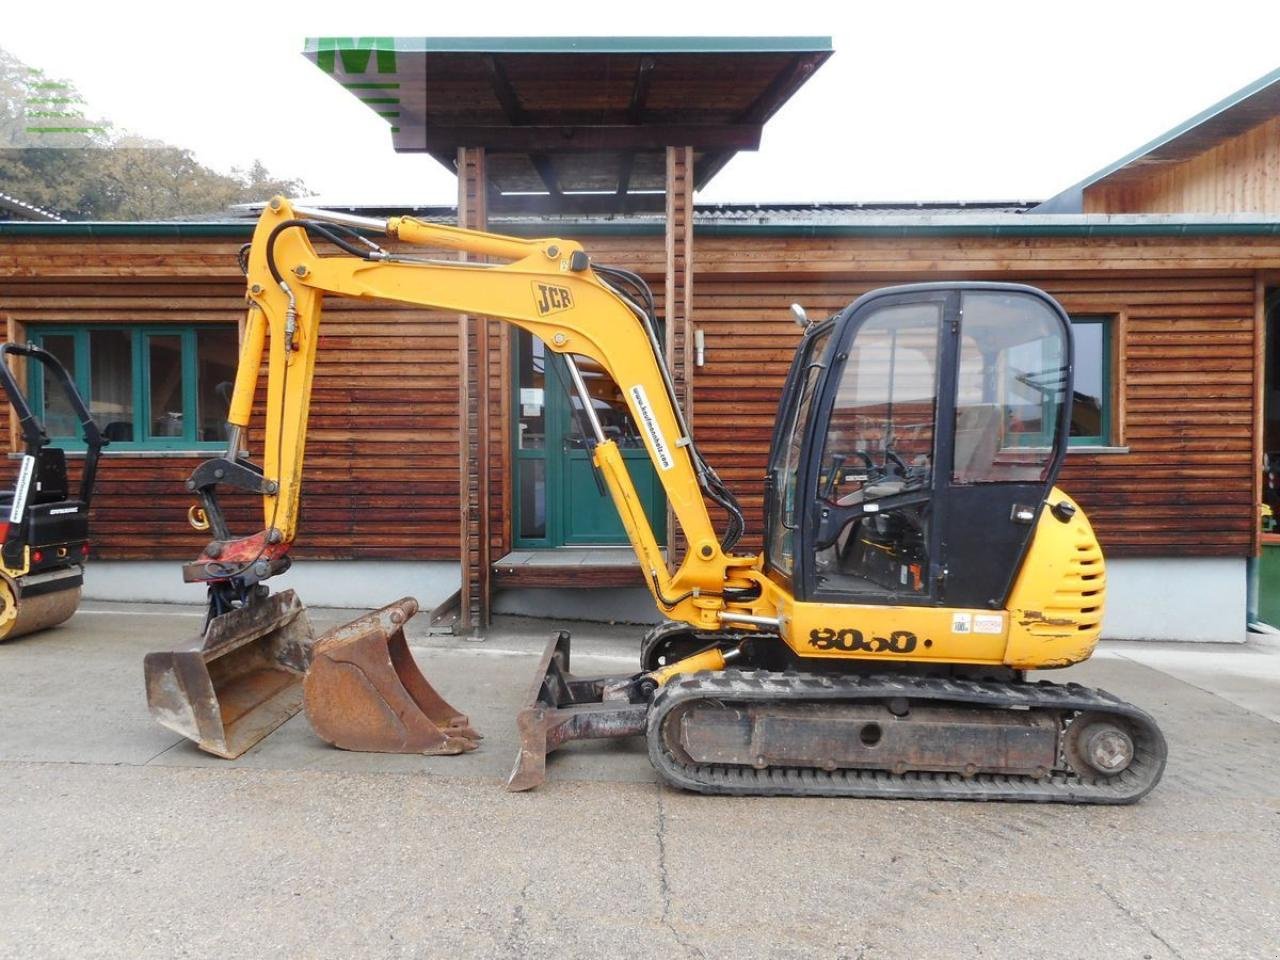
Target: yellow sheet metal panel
{"points": [[862, 631], [1057, 601]]}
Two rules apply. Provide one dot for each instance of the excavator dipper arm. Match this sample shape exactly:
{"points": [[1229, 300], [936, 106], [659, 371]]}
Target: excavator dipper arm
{"points": [[547, 287]]}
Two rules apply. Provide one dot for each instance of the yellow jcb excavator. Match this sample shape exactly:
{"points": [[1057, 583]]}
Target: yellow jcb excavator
{"points": [[918, 558]]}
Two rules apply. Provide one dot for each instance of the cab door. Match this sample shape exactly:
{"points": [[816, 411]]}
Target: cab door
{"points": [[1013, 369], [937, 433], [873, 457]]}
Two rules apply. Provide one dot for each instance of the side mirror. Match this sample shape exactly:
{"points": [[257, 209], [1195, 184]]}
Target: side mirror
{"points": [[801, 318]]}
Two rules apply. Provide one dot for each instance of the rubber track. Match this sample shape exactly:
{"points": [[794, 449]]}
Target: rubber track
{"points": [[1060, 786]]}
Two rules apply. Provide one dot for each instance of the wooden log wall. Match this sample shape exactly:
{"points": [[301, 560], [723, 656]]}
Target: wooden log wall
{"points": [[381, 475], [1184, 370], [381, 478], [1239, 175]]}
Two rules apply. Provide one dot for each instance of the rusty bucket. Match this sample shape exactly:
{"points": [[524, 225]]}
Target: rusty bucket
{"points": [[364, 691], [236, 682]]}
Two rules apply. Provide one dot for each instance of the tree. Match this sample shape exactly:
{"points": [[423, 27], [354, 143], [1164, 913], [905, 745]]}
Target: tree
{"points": [[54, 156]]}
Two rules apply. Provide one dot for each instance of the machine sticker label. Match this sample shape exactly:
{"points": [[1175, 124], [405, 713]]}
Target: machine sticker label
{"points": [[62, 510], [661, 453], [549, 299], [20, 494], [988, 623], [827, 638], [962, 623]]}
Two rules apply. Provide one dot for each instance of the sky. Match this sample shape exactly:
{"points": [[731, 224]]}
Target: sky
{"points": [[921, 101]]}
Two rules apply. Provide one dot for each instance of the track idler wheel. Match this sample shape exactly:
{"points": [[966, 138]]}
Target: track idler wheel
{"points": [[363, 691], [1098, 746]]}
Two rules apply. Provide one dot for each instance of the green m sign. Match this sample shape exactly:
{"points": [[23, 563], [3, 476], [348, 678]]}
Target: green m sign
{"points": [[355, 54], [360, 64]]}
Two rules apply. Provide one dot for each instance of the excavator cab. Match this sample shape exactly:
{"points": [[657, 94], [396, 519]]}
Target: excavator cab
{"points": [[44, 537], [922, 430]]}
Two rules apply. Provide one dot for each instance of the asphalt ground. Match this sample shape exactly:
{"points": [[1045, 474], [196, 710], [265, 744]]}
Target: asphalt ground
{"points": [[119, 839]]}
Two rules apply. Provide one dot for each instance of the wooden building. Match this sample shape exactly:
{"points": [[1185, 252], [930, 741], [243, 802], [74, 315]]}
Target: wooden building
{"points": [[424, 474]]}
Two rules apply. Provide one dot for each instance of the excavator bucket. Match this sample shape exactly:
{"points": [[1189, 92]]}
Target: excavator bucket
{"points": [[364, 691], [562, 707], [238, 681]]}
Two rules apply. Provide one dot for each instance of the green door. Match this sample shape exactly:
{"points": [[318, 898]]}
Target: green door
{"points": [[559, 500]]}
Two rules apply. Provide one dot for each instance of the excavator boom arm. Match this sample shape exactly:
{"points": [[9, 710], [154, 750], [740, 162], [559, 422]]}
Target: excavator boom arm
{"points": [[546, 287]]}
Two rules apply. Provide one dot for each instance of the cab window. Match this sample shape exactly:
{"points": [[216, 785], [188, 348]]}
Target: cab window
{"points": [[786, 463], [1010, 389]]}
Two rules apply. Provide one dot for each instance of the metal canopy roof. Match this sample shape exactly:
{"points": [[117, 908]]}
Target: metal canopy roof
{"points": [[1243, 110], [574, 123], [820, 220]]}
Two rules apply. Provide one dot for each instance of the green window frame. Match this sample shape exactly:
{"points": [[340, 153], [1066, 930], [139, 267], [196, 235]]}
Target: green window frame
{"points": [[1091, 332], [140, 336]]}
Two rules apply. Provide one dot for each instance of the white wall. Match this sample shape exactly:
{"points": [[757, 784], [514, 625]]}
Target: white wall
{"points": [[1176, 598], [359, 584], [602, 605], [1167, 598]]}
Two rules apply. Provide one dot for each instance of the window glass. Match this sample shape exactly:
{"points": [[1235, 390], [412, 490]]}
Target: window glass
{"points": [[531, 368], [137, 383], [217, 354], [60, 419], [608, 402], [533, 498], [877, 461], [111, 382], [1010, 389], [1092, 381], [787, 463], [164, 373], [880, 437]]}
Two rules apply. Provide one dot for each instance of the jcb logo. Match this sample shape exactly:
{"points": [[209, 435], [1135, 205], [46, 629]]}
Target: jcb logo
{"points": [[551, 299]]}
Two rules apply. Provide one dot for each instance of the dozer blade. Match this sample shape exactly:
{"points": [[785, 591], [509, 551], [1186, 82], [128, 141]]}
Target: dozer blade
{"points": [[239, 681], [562, 707], [38, 601], [364, 691]]}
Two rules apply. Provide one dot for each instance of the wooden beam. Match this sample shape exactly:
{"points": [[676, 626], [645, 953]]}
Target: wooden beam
{"points": [[503, 90], [676, 302], [13, 334], [586, 576], [510, 104], [780, 90], [1259, 405], [580, 138], [762, 108], [542, 163], [635, 112], [576, 203], [474, 393], [712, 163], [1120, 364]]}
